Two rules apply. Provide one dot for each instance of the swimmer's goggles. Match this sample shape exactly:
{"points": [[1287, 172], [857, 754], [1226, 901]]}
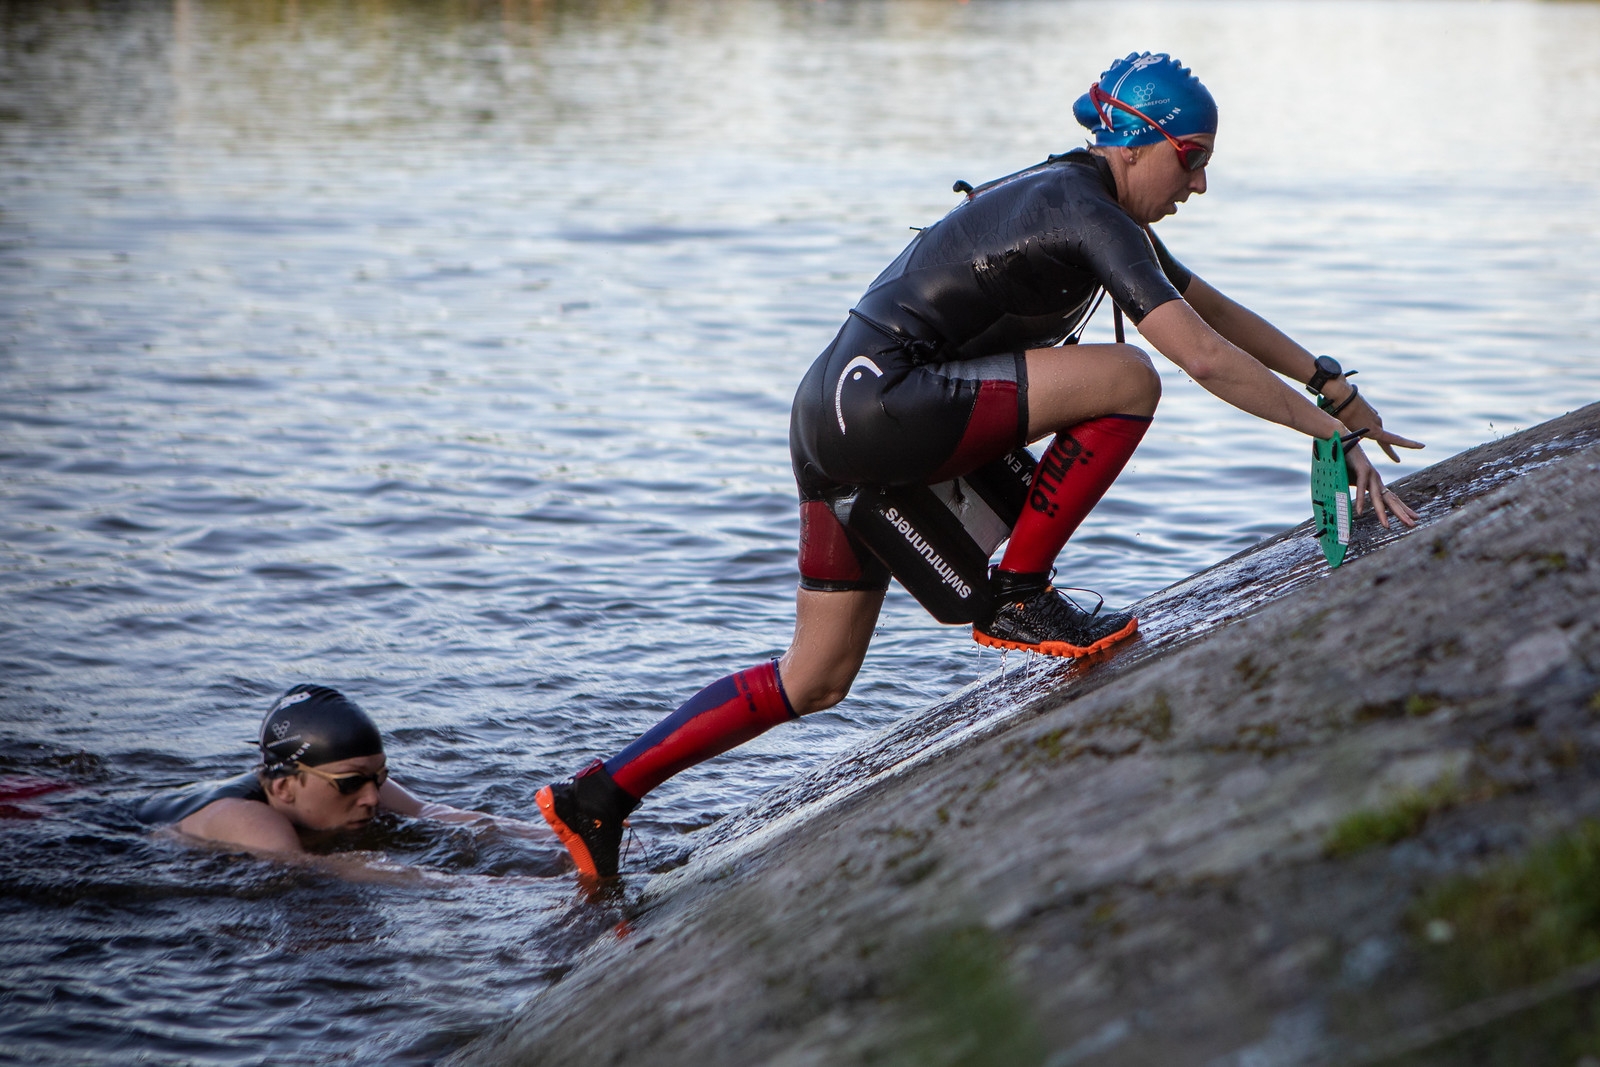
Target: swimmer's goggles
{"points": [[1192, 156], [349, 784]]}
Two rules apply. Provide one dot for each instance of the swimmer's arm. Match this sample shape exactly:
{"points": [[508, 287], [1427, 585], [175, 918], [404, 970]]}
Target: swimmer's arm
{"points": [[397, 798], [232, 823], [1277, 350], [1254, 334], [246, 823], [1229, 372], [1235, 376], [392, 796]]}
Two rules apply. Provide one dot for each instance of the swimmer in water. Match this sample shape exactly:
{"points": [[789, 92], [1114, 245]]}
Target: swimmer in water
{"points": [[963, 350], [322, 771]]}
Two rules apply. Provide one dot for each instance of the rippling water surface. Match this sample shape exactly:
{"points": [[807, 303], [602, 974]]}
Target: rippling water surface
{"points": [[443, 353]]}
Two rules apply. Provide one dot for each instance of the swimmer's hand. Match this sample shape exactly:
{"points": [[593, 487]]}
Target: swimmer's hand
{"points": [[464, 817], [1360, 415], [532, 831], [1368, 484], [397, 798]]}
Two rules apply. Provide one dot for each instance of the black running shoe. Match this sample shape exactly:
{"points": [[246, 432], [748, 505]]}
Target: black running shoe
{"points": [[586, 814], [1034, 617]]}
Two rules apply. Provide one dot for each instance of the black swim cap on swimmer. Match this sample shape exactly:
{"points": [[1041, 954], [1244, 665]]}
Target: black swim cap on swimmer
{"points": [[312, 724]]}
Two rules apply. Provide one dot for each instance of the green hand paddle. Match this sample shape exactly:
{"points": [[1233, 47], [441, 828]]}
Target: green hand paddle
{"points": [[1330, 494]]}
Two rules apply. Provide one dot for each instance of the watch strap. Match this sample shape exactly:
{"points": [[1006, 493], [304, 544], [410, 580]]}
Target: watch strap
{"points": [[1325, 369]]}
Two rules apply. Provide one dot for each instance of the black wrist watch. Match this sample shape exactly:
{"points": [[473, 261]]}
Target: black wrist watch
{"points": [[1326, 367]]}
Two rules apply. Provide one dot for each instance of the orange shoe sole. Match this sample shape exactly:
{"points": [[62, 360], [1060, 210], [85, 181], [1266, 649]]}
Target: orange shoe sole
{"points": [[1060, 648], [574, 844]]}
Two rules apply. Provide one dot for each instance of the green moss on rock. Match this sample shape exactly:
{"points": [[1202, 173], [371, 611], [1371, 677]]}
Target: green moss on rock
{"points": [[1522, 925], [1521, 921], [1400, 818], [964, 1007]]}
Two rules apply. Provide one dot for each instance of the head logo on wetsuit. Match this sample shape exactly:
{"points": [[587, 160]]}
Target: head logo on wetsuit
{"points": [[856, 365]]}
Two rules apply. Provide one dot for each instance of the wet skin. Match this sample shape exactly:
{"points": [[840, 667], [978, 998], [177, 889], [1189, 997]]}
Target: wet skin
{"points": [[1151, 180], [314, 803], [1229, 350], [308, 805], [299, 803]]}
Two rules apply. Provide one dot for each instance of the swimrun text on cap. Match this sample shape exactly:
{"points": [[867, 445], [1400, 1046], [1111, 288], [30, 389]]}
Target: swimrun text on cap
{"points": [[1162, 99], [313, 725], [1192, 154]]}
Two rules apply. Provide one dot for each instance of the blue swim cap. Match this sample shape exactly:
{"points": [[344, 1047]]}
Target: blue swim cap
{"points": [[1159, 86]]}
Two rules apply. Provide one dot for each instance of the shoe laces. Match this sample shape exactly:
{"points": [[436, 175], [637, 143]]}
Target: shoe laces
{"points": [[627, 847], [1055, 611], [1099, 601], [1051, 586]]}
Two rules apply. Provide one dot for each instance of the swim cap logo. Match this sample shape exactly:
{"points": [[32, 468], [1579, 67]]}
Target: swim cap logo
{"points": [[1140, 95], [288, 699], [280, 728]]}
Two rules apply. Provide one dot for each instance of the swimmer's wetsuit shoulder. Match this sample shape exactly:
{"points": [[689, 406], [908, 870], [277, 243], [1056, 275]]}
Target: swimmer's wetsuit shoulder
{"points": [[1016, 265], [166, 809]]}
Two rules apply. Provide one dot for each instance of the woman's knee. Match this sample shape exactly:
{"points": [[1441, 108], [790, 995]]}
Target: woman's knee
{"points": [[831, 634], [820, 697], [1140, 384], [811, 690], [1069, 384]]}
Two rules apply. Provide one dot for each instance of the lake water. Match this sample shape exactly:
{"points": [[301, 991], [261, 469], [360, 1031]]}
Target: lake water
{"points": [[443, 353]]}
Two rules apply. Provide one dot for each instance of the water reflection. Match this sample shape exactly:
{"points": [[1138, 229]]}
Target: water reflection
{"points": [[443, 353]]}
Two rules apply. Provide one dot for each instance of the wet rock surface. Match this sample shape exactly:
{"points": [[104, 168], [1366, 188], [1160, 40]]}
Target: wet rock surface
{"points": [[1206, 848]]}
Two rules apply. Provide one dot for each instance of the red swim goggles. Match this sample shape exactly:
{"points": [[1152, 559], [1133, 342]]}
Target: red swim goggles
{"points": [[1192, 156]]}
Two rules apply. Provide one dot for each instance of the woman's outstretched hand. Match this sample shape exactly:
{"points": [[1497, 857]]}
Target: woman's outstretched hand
{"points": [[1360, 415], [1370, 489]]}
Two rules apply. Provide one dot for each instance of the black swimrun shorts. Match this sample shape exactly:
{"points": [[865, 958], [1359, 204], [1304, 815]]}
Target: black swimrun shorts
{"points": [[868, 414]]}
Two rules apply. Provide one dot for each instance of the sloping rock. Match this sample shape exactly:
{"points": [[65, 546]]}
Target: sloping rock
{"points": [[1206, 848]]}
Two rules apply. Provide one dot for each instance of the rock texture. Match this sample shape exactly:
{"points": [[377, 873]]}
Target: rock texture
{"points": [[1208, 848]]}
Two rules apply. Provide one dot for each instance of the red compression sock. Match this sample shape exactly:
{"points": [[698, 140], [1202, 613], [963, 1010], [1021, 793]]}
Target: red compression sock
{"points": [[1074, 473], [723, 715]]}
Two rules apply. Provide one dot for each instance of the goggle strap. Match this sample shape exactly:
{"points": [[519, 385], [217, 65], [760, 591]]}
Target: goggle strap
{"points": [[1104, 101]]}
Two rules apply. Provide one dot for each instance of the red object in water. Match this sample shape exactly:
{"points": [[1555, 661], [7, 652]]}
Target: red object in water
{"points": [[24, 789], [11, 811]]}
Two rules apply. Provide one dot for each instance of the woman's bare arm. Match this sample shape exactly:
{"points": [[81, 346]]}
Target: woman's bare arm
{"points": [[1275, 349]]}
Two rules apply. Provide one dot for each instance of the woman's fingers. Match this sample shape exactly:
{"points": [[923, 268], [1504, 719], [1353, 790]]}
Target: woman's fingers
{"points": [[1363, 415], [1387, 441], [1370, 489], [1362, 477], [1378, 504], [1387, 502], [1401, 509]]}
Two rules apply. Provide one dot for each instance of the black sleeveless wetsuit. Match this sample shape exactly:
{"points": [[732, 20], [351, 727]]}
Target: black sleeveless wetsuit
{"points": [[927, 379], [166, 809]]}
